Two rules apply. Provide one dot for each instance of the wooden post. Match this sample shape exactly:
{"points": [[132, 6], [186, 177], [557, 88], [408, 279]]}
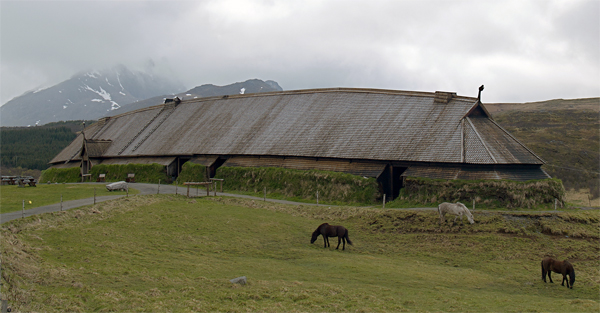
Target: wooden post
{"points": [[176, 186], [94, 195], [61, 202], [555, 200], [317, 197], [265, 194], [473, 204], [207, 190], [23, 212], [188, 193], [384, 200], [158, 190], [215, 187]]}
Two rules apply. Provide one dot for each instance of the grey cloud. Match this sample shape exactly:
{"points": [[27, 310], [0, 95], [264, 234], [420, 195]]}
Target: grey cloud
{"points": [[521, 50]]}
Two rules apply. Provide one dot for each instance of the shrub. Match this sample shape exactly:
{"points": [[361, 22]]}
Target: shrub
{"points": [[61, 175], [505, 193], [192, 172], [332, 186]]}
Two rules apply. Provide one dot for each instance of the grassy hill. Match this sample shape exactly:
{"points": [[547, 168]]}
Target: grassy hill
{"points": [[565, 133], [171, 253]]}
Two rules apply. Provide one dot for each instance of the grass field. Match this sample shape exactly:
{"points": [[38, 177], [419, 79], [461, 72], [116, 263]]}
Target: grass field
{"points": [[171, 253], [12, 196]]}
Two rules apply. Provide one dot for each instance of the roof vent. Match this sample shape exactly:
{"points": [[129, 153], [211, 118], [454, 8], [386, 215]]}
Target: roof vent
{"points": [[443, 97]]}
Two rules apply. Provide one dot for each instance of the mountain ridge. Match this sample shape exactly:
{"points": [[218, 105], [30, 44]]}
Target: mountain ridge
{"points": [[86, 95]]}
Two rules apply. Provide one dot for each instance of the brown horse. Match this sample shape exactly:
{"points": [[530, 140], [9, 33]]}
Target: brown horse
{"points": [[561, 267], [331, 231]]}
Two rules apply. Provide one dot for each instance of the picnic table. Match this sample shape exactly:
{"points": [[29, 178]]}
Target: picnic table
{"points": [[22, 181], [9, 180]]}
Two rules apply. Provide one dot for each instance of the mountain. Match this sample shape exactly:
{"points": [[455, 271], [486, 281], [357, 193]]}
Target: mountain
{"points": [[89, 95], [208, 90]]}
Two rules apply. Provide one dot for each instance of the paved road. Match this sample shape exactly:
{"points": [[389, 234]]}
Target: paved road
{"points": [[145, 189]]}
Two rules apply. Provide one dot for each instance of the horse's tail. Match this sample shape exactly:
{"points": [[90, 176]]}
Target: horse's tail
{"points": [[347, 238], [543, 271], [571, 271], [572, 276]]}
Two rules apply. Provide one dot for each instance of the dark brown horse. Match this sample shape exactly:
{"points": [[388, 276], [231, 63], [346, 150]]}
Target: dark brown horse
{"points": [[331, 231], [565, 268]]}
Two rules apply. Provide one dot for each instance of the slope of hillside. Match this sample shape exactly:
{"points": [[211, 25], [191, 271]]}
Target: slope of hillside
{"points": [[565, 133]]}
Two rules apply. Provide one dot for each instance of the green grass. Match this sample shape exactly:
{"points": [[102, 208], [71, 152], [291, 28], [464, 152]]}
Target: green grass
{"points": [[12, 196], [171, 253]]}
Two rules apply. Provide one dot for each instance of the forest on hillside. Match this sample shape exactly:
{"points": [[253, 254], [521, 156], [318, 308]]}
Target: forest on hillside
{"points": [[34, 147]]}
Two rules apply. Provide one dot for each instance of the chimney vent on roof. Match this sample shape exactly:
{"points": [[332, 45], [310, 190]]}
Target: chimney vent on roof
{"points": [[443, 97]]}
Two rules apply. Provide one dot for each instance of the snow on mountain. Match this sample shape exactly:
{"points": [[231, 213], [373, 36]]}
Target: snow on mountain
{"points": [[88, 95]]}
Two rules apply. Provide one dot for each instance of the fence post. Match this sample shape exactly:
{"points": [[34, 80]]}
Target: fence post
{"points": [[473, 204], [265, 194], [61, 202], [175, 187], [23, 212], [384, 200], [317, 197], [158, 190], [94, 195], [555, 200]]}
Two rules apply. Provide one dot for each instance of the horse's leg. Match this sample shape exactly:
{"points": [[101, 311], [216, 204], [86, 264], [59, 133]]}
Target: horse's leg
{"points": [[563, 281], [550, 275], [325, 241], [339, 241], [344, 241]]}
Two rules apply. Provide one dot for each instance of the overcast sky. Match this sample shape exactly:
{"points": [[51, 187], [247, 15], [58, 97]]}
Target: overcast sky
{"points": [[521, 50]]}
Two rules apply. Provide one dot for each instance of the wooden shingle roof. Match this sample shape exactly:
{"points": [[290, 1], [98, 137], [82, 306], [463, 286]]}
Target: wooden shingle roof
{"points": [[343, 123]]}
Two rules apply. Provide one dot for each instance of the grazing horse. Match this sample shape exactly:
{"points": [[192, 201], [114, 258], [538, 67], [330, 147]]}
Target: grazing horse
{"points": [[457, 209], [565, 268], [331, 231]]}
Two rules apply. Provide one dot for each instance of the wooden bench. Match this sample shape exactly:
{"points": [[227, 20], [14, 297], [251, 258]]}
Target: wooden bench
{"points": [[101, 178], [207, 184], [130, 178], [85, 176], [215, 180]]}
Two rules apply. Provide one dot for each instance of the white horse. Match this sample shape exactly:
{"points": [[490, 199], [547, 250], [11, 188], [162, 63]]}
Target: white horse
{"points": [[457, 209]]}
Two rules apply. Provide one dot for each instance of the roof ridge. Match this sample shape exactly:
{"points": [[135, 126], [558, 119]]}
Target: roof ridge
{"points": [[328, 90]]}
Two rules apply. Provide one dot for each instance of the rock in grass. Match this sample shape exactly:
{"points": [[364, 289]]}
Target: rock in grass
{"points": [[239, 280]]}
